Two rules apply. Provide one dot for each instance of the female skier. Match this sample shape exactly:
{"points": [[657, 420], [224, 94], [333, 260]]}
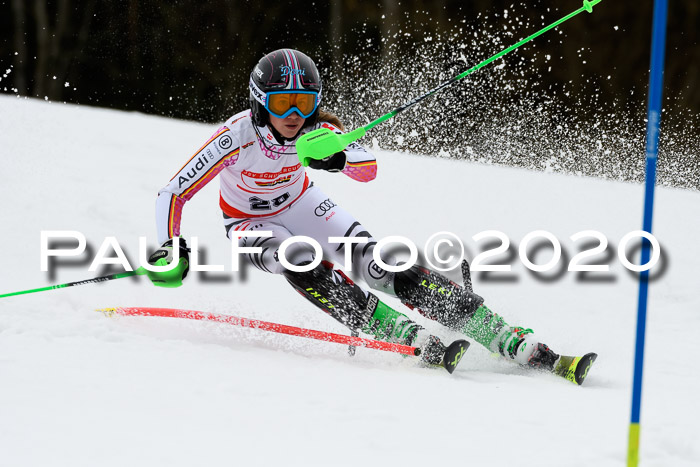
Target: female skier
{"points": [[264, 187]]}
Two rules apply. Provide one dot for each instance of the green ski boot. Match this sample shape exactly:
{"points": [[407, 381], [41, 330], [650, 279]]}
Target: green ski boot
{"points": [[389, 325]]}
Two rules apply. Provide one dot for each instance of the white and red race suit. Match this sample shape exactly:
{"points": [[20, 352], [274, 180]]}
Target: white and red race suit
{"points": [[265, 187]]}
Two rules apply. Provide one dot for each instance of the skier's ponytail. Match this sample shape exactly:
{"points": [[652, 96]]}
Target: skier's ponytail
{"points": [[331, 118]]}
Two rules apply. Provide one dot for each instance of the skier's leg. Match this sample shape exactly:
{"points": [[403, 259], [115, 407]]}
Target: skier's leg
{"points": [[331, 290], [323, 286], [450, 304], [336, 294], [267, 258], [432, 294], [459, 308], [315, 215]]}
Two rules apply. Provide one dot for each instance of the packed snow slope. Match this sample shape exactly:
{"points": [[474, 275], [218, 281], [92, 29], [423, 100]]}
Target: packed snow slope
{"points": [[80, 389]]}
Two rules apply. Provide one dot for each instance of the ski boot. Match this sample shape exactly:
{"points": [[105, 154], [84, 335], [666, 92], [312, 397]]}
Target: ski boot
{"points": [[542, 358], [574, 369], [519, 345], [390, 325]]}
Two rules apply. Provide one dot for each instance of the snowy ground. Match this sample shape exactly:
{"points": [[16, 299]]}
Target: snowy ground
{"points": [[78, 389]]}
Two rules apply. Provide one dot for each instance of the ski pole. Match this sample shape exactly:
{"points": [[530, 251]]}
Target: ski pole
{"points": [[265, 326], [323, 142], [121, 275]]}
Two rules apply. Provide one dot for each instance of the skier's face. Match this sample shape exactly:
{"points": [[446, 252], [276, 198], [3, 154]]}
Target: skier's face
{"points": [[289, 126]]}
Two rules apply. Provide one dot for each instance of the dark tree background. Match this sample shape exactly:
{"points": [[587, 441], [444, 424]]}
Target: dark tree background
{"points": [[191, 59]]}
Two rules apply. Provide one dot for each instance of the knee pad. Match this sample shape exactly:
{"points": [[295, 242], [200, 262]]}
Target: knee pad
{"points": [[374, 275]]}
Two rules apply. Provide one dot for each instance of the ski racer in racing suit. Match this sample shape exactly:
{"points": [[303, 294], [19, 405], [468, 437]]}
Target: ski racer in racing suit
{"points": [[264, 187]]}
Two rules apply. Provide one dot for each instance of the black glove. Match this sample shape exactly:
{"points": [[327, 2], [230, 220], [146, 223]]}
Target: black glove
{"points": [[166, 252], [334, 163]]}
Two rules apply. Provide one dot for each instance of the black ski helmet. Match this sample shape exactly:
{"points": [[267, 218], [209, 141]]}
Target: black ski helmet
{"points": [[280, 70]]}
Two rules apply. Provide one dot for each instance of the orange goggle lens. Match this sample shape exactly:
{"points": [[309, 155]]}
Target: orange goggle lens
{"points": [[281, 104]]}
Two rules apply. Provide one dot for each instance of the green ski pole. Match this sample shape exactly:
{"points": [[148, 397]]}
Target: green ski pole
{"points": [[323, 142], [121, 275]]}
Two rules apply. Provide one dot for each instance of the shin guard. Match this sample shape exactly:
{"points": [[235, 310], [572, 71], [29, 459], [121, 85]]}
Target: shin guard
{"points": [[436, 297], [333, 292]]}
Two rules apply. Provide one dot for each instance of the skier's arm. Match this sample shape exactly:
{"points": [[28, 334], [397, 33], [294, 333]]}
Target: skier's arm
{"points": [[355, 161], [220, 151]]}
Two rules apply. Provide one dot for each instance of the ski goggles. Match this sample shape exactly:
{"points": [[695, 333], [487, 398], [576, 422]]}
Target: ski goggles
{"points": [[282, 103]]}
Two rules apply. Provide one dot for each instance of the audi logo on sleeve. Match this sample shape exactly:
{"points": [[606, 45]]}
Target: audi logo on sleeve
{"points": [[324, 207]]}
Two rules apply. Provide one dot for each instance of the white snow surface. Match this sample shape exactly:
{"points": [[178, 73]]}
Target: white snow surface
{"points": [[80, 389]]}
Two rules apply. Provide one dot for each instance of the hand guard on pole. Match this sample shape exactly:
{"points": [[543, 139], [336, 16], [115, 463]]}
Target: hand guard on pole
{"points": [[164, 256]]}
